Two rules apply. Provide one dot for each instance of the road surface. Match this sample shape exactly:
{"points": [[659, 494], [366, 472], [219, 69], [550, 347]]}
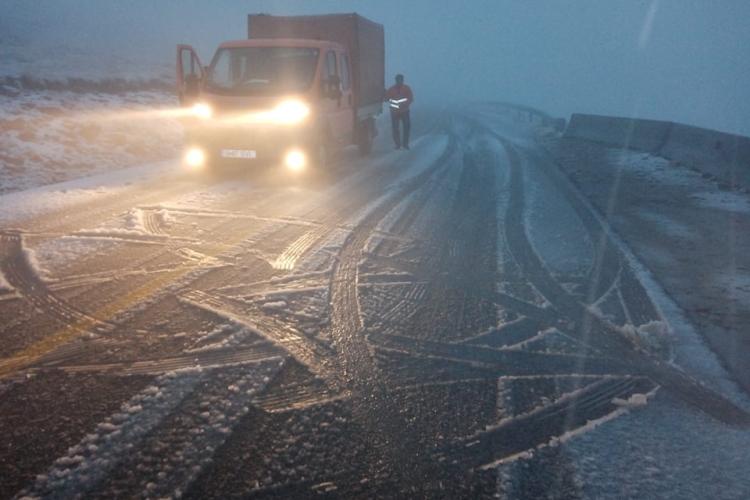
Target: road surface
{"points": [[452, 321]]}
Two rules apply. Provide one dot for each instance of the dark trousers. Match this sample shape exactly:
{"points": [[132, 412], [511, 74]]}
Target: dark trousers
{"points": [[396, 120]]}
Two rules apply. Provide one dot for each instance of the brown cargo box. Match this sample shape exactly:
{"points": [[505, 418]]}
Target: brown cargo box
{"points": [[363, 38]]}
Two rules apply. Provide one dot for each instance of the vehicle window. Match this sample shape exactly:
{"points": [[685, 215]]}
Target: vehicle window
{"points": [[331, 69], [345, 79], [187, 62], [262, 70]]}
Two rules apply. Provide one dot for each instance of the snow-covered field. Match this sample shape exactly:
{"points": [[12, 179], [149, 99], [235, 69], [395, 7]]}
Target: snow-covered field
{"points": [[49, 136], [71, 106]]}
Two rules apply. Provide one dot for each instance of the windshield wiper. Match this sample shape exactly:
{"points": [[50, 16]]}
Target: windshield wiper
{"points": [[255, 81]]}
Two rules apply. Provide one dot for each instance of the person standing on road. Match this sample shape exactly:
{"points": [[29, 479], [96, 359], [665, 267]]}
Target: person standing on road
{"points": [[399, 99]]}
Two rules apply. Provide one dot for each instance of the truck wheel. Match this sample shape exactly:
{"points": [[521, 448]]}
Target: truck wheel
{"points": [[319, 155], [364, 139]]}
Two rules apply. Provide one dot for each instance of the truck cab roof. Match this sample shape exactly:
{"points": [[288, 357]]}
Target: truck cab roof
{"points": [[281, 42]]}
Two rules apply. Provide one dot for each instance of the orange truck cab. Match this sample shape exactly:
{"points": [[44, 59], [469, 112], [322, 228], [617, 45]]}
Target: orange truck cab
{"points": [[296, 90]]}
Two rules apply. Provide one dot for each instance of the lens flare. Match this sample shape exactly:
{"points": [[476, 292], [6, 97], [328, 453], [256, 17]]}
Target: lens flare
{"points": [[195, 158], [295, 160]]}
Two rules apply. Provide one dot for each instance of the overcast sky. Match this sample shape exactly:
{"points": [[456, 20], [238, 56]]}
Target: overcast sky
{"points": [[682, 60]]}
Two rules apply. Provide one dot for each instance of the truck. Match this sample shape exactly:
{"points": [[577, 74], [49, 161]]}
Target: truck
{"points": [[296, 91]]}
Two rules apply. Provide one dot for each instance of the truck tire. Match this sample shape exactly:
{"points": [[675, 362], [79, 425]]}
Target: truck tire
{"points": [[320, 150], [319, 155], [364, 137]]}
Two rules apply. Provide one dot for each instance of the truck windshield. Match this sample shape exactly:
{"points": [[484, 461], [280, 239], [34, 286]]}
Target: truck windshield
{"points": [[262, 70]]}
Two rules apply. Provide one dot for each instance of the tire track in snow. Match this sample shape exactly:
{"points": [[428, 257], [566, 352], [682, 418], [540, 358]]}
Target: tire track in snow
{"points": [[153, 223], [170, 482], [508, 362], [370, 402], [19, 271], [190, 413], [16, 266], [317, 357], [202, 360], [56, 347], [512, 437], [175, 452], [337, 372], [459, 298], [594, 331], [233, 232], [374, 183], [100, 451], [346, 319]]}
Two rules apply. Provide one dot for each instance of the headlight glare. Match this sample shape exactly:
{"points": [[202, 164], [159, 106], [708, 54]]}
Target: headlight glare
{"points": [[291, 111], [202, 110]]}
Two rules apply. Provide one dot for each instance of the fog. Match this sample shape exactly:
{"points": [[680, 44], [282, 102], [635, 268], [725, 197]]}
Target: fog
{"points": [[682, 60]]}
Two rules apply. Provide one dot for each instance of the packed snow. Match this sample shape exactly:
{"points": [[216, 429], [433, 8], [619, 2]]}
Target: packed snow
{"points": [[221, 337], [57, 254]]}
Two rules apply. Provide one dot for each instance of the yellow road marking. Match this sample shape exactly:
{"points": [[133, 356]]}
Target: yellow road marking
{"points": [[37, 350]]}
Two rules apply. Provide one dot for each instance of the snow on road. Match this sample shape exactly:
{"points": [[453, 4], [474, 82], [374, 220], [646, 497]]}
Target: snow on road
{"points": [[53, 198], [114, 440], [89, 461], [673, 214], [135, 435], [555, 230], [665, 450], [638, 455], [58, 254]]}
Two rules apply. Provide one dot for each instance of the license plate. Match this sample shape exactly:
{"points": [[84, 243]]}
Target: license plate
{"points": [[238, 153]]}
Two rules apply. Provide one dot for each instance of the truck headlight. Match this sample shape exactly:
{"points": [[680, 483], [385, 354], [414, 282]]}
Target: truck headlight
{"points": [[295, 160], [195, 158], [291, 112], [202, 110]]}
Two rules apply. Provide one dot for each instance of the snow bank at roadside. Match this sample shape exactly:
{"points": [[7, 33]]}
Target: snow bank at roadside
{"points": [[56, 197]]}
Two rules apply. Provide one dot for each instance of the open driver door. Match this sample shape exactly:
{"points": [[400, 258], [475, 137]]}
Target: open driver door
{"points": [[190, 74]]}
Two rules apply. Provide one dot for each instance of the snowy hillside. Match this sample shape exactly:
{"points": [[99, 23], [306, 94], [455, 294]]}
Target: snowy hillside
{"points": [[70, 109], [51, 136]]}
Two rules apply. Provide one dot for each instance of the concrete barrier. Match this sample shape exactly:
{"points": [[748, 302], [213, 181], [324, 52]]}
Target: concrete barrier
{"points": [[527, 114], [558, 124], [724, 156], [644, 135]]}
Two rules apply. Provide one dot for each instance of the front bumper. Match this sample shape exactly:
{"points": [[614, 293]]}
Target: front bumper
{"points": [[270, 143]]}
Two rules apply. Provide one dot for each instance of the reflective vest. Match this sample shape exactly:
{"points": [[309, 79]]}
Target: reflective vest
{"points": [[399, 98]]}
